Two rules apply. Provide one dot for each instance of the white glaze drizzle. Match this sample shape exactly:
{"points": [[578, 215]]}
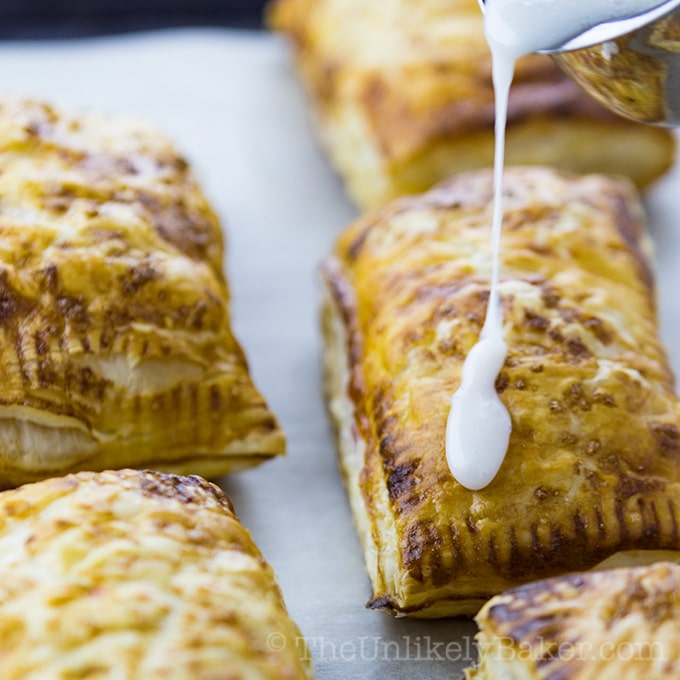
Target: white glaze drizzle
{"points": [[479, 426]]}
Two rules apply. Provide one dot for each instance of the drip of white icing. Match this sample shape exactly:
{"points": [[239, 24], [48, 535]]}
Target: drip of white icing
{"points": [[479, 426]]}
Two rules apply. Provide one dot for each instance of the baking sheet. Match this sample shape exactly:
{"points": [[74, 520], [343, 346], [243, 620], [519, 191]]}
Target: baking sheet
{"points": [[230, 102]]}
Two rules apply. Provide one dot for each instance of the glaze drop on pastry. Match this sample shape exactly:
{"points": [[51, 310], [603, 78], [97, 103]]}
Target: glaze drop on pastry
{"points": [[478, 426]]}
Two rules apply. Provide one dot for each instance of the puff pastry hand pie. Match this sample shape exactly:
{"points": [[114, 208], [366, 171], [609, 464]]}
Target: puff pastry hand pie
{"points": [[593, 466], [403, 98], [622, 624], [137, 575], [115, 342]]}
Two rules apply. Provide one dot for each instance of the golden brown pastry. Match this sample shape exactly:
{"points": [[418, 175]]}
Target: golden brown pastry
{"points": [[403, 98], [115, 343], [593, 466], [622, 624], [137, 575]]}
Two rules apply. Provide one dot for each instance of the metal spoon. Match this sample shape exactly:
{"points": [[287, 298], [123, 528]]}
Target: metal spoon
{"points": [[611, 29], [631, 65]]}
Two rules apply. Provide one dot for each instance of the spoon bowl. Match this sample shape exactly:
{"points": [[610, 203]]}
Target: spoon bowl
{"points": [[630, 65]]}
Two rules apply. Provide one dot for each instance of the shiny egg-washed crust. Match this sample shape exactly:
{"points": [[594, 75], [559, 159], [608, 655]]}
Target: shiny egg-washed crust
{"points": [[593, 466], [138, 575], [622, 624], [115, 343], [403, 98]]}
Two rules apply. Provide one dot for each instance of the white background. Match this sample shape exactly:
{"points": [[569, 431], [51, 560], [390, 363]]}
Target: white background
{"points": [[230, 102]]}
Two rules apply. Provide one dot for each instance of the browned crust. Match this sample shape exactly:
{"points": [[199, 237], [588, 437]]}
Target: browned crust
{"points": [[540, 91], [628, 619], [404, 97], [135, 574], [615, 475], [451, 98]]}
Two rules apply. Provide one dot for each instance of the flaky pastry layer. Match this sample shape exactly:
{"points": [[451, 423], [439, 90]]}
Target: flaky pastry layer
{"points": [[593, 466], [137, 575], [115, 341], [403, 98]]}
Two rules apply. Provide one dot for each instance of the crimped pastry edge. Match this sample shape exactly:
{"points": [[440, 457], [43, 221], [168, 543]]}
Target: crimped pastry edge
{"points": [[351, 447]]}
